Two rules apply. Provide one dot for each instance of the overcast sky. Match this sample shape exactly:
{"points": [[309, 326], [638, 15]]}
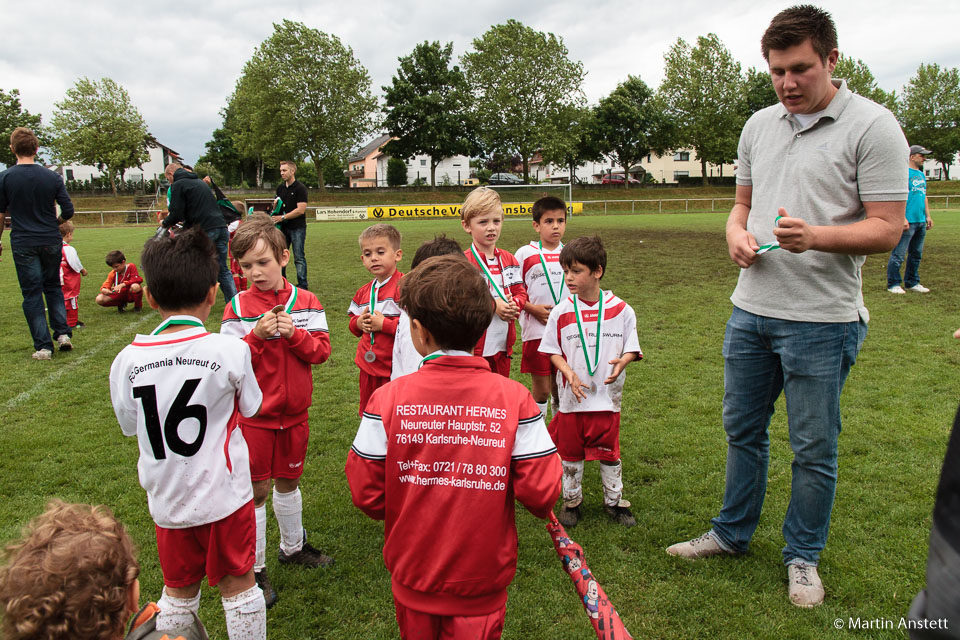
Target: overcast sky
{"points": [[180, 64]]}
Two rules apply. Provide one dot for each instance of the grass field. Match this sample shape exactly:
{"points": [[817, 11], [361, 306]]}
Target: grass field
{"points": [[59, 438]]}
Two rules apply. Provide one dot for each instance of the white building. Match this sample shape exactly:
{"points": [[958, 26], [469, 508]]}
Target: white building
{"points": [[160, 157], [668, 168], [451, 171], [933, 170]]}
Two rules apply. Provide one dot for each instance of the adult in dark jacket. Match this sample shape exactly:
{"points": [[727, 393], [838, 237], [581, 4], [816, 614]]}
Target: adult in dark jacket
{"points": [[193, 204], [28, 192]]}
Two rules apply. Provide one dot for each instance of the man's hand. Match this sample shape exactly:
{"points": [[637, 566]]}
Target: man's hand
{"points": [[742, 246], [794, 234], [207, 179], [929, 223], [508, 311], [539, 311], [266, 326], [906, 224], [285, 325], [277, 219]]}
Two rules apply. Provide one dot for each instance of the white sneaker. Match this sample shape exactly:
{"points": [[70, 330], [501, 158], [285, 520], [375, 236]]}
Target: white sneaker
{"points": [[64, 342], [919, 288], [896, 289], [806, 589], [42, 354], [703, 547]]}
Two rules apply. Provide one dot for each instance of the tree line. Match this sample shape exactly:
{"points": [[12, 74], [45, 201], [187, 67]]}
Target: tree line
{"points": [[304, 95]]}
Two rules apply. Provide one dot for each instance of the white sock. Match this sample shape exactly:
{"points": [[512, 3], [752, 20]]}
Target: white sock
{"points": [[288, 507], [572, 483], [176, 613], [246, 615], [543, 409], [260, 561], [612, 478]]}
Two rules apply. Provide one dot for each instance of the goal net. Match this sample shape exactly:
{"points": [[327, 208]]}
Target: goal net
{"points": [[517, 199]]}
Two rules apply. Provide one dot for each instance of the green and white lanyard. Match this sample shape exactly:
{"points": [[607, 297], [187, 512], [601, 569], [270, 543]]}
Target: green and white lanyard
{"points": [[373, 302], [173, 321], [235, 303], [556, 297], [432, 356], [583, 337], [482, 261], [773, 245], [116, 276]]}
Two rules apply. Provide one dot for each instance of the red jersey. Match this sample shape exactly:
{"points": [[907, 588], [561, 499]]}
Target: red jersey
{"points": [[70, 268], [383, 339], [441, 455], [283, 367], [128, 276], [505, 272]]}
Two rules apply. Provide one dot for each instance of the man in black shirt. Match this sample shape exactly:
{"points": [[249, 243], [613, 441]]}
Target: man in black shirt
{"points": [[292, 221], [192, 203], [27, 194]]}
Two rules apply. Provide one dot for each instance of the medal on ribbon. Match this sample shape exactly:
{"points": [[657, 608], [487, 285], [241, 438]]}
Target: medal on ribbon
{"points": [[555, 296], [370, 356], [591, 369], [483, 267], [235, 303]]}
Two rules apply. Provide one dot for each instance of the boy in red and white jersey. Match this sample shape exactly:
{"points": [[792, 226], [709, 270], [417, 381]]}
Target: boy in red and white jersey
{"points": [[373, 311], [482, 217], [178, 390], [123, 284], [442, 455], [590, 336], [543, 278], [286, 330], [71, 270]]}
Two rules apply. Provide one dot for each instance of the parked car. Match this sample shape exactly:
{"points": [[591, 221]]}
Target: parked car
{"points": [[616, 178], [504, 178], [470, 182]]}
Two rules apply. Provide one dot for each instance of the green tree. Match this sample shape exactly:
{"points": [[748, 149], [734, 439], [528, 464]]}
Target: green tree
{"points": [[630, 123], [397, 173], [302, 94], [13, 115], [579, 145], [861, 81], [758, 91], [426, 107], [97, 124], [929, 112], [203, 168], [703, 91], [222, 153], [521, 81]]}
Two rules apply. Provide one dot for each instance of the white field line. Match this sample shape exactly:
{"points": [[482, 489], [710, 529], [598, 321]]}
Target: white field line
{"points": [[22, 397]]}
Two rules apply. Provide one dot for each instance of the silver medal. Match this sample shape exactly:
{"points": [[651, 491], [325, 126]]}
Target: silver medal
{"points": [[370, 356], [593, 387]]}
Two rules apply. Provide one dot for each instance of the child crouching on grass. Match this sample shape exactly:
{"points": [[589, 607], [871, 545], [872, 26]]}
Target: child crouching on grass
{"points": [[123, 284], [450, 537]]}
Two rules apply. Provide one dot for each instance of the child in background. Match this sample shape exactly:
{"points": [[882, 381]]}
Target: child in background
{"points": [[123, 284], [482, 217], [447, 496], [373, 310], [71, 270], [406, 359], [179, 390], [543, 278], [286, 330], [239, 280], [590, 337]]}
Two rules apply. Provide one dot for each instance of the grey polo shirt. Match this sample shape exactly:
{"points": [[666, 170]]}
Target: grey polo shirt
{"points": [[853, 153]]}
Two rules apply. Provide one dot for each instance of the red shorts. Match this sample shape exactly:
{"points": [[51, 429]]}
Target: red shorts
{"points": [[223, 548], [124, 297], [417, 625], [535, 362], [277, 453], [499, 363], [73, 312], [369, 384], [586, 435]]}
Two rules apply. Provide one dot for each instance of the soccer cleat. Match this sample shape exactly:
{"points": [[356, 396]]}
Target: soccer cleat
{"points": [[42, 354], [705, 546], [137, 308], [896, 289], [79, 325], [269, 593], [121, 307], [620, 515], [64, 342], [918, 288], [806, 589], [308, 556], [569, 516]]}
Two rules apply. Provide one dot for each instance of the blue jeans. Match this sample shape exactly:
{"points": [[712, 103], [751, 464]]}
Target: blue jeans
{"points": [[911, 246], [809, 362], [220, 238], [38, 270], [296, 238]]}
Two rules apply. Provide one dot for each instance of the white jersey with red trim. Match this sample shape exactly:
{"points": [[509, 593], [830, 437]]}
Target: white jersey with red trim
{"points": [[179, 394], [538, 291], [406, 359], [619, 336]]}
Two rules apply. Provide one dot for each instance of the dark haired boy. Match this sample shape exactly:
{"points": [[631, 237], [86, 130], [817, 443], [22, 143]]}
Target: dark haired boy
{"points": [[123, 284], [442, 454], [542, 276], [286, 329], [178, 390], [405, 358], [591, 336]]}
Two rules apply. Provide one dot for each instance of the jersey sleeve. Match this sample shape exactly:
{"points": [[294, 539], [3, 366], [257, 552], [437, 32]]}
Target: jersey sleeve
{"points": [[513, 280], [301, 194], [366, 462], [249, 396], [550, 342], [631, 343], [133, 276], [73, 258], [535, 465], [312, 343], [124, 405], [355, 310]]}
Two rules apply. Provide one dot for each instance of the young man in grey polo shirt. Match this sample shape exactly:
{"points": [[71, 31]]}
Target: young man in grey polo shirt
{"points": [[820, 183]]}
